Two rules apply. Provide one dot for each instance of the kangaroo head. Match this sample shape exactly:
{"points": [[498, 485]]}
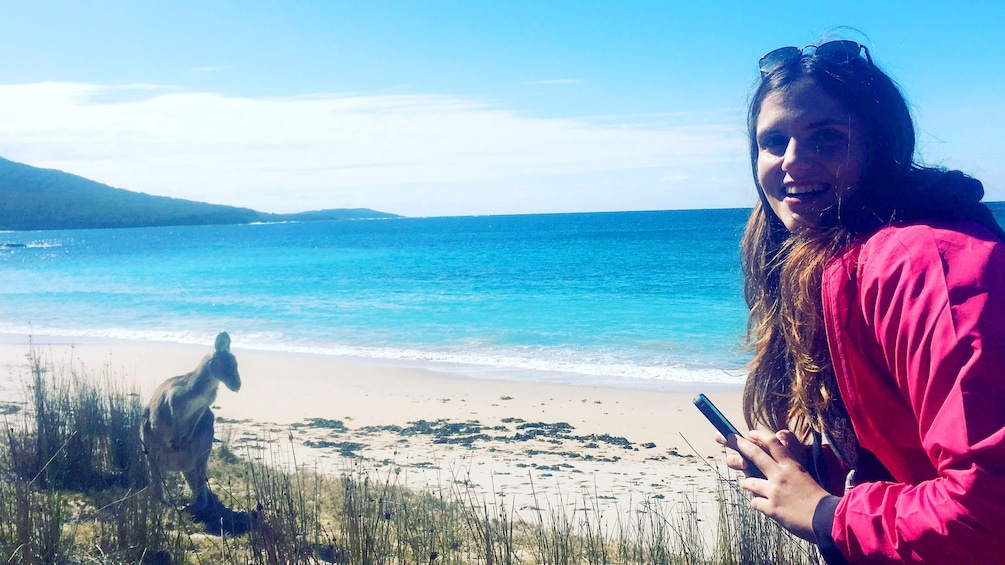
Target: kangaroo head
{"points": [[224, 364]]}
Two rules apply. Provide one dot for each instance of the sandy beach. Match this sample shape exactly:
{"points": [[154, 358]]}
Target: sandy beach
{"points": [[506, 439]]}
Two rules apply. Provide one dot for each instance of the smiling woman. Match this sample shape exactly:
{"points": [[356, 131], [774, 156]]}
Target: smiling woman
{"points": [[810, 154], [876, 290]]}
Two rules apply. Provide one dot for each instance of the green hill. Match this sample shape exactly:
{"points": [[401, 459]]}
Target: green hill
{"points": [[44, 199]]}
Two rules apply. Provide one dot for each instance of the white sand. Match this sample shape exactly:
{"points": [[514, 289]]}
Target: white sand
{"points": [[280, 392]]}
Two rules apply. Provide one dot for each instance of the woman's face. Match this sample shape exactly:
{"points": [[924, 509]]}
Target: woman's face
{"points": [[810, 154]]}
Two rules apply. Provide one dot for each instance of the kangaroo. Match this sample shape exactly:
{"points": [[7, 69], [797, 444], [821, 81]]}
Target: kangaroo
{"points": [[177, 428]]}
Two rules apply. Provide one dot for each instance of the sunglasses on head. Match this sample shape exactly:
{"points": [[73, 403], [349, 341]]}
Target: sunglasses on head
{"points": [[841, 51]]}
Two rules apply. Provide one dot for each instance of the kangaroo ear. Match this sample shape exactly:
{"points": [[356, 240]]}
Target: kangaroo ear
{"points": [[223, 342]]}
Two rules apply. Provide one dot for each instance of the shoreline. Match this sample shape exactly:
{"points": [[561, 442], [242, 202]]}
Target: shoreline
{"points": [[518, 441], [671, 378]]}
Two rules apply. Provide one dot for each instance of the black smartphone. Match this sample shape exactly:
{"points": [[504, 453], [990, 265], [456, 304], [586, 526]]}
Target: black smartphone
{"points": [[724, 426]]}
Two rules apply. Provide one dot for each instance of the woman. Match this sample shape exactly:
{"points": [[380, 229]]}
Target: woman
{"points": [[876, 290]]}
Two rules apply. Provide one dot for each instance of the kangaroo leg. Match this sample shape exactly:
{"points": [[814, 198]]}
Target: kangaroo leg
{"points": [[152, 451], [197, 476]]}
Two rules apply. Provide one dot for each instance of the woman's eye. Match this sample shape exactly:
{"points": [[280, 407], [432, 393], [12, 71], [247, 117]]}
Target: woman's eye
{"points": [[826, 136], [774, 143]]}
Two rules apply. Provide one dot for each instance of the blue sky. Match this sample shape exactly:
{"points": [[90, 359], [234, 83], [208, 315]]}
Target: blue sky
{"points": [[456, 108]]}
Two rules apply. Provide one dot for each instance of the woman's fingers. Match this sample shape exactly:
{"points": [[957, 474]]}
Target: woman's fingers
{"points": [[787, 494], [760, 448], [739, 463], [736, 459]]}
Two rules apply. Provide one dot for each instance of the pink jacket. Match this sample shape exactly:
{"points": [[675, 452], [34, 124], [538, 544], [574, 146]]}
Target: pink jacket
{"points": [[915, 319]]}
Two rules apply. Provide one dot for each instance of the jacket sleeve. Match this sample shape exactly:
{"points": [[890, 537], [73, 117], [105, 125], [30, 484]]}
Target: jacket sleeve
{"points": [[931, 335]]}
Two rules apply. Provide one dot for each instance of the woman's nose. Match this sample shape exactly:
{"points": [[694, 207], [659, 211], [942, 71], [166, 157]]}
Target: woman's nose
{"points": [[798, 155]]}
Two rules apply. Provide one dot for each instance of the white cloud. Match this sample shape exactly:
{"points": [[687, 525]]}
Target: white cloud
{"points": [[411, 154]]}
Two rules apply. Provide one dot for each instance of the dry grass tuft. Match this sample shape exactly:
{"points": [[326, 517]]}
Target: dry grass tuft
{"points": [[73, 490]]}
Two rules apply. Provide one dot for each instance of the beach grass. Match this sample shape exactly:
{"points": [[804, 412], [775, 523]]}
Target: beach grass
{"points": [[73, 489]]}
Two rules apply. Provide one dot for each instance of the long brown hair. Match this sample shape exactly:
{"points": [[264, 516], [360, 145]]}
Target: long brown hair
{"points": [[791, 383]]}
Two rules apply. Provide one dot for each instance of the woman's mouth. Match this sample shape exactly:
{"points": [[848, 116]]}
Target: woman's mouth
{"points": [[803, 190]]}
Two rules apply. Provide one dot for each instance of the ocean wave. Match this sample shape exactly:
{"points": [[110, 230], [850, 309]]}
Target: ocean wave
{"points": [[471, 359], [31, 245]]}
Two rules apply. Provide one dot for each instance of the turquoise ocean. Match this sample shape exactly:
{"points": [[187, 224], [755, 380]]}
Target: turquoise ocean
{"points": [[638, 299]]}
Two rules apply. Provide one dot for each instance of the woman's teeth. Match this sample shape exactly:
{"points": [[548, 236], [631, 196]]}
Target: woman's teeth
{"points": [[804, 189]]}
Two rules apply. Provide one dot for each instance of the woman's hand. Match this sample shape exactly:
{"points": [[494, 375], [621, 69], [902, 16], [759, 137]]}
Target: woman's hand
{"points": [[788, 495]]}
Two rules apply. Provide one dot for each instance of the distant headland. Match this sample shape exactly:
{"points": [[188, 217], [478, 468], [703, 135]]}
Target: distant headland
{"points": [[48, 199]]}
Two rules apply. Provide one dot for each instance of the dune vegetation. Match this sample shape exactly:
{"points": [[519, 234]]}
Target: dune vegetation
{"points": [[73, 489]]}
